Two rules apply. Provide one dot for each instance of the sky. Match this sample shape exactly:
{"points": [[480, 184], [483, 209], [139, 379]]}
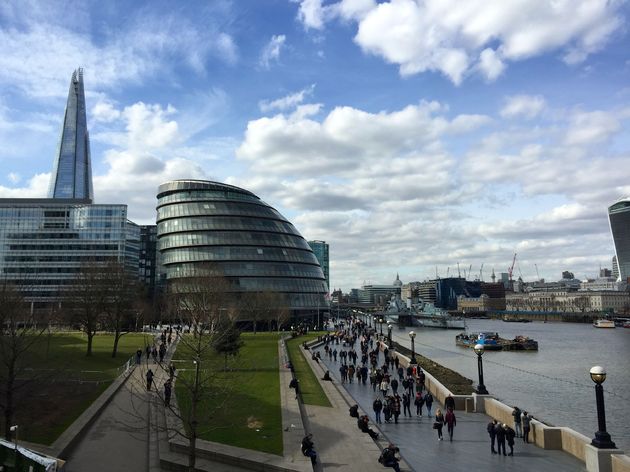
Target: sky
{"points": [[411, 135]]}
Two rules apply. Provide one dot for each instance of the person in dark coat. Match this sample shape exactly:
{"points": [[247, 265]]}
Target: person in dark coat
{"points": [[362, 423], [377, 406], [396, 407], [451, 422], [516, 413], [439, 423], [354, 411], [492, 433], [510, 434], [388, 457], [394, 384], [526, 418], [149, 379], [406, 401], [500, 433], [428, 401], [168, 388], [308, 448], [449, 402]]}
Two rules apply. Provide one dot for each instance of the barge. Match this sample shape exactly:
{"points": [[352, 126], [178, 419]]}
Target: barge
{"points": [[493, 342]]}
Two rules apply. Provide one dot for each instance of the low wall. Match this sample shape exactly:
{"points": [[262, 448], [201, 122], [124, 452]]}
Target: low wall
{"points": [[620, 463]]}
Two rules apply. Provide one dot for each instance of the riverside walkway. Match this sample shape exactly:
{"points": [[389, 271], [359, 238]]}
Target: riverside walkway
{"points": [[471, 444]]}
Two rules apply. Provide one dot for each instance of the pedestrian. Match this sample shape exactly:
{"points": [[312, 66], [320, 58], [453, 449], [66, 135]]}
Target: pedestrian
{"points": [[148, 351], [526, 419], [509, 435], [428, 401], [406, 401], [138, 356], [449, 402], [308, 448], [439, 423], [419, 401], [492, 433], [384, 387], [295, 383], [394, 384], [396, 407], [171, 371], [516, 413], [378, 407], [154, 353], [401, 373], [387, 410], [388, 457], [149, 379], [451, 422], [167, 392], [500, 433]]}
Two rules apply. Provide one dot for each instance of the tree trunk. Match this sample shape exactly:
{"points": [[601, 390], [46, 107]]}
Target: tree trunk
{"points": [[117, 337], [8, 408], [90, 336], [192, 454]]}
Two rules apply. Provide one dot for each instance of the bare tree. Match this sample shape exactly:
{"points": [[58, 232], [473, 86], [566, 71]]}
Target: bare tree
{"points": [[19, 334]]}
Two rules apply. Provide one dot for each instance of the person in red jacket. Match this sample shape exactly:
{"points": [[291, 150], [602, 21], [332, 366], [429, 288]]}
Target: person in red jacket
{"points": [[450, 421]]}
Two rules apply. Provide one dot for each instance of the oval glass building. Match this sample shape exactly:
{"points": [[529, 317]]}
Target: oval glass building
{"points": [[254, 247]]}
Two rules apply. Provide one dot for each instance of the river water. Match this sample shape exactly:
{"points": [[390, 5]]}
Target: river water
{"points": [[552, 384]]}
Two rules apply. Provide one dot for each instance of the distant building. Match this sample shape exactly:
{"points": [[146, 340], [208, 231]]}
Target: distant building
{"points": [[410, 290], [604, 273], [379, 294], [72, 174], [569, 301], [321, 251], [204, 227], [619, 218], [45, 242], [601, 283], [615, 267], [148, 258]]}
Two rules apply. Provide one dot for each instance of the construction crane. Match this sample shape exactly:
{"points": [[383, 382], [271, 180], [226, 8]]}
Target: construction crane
{"points": [[537, 274], [511, 268], [470, 271], [448, 269], [459, 274], [481, 272]]}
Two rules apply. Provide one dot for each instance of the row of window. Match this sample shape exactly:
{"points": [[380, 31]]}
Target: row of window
{"points": [[212, 195], [257, 284], [253, 269], [235, 253], [224, 238], [217, 209], [225, 223], [63, 247]]}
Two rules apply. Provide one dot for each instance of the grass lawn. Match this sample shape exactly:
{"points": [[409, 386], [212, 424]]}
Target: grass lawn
{"points": [[243, 404], [312, 392], [65, 382]]}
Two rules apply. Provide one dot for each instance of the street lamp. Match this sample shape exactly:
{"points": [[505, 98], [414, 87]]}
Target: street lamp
{"points": [[412, 335], [381, 321], [602, 438], [481, 388], [389, 333]]}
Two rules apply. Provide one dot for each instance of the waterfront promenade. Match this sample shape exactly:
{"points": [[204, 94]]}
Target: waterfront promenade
{"points": [[471, 444]]}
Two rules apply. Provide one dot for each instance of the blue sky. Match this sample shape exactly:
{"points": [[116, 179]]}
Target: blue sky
{"points": [[408, 134]]}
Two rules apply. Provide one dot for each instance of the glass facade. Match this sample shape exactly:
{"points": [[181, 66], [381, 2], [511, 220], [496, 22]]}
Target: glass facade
{"points": [[320, 249], [619, 217], [245, 239], [72, 173], [44, 242]]}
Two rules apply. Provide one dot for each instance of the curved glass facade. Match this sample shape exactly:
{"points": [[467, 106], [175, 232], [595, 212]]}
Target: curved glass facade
{"points": [[250, 243]]}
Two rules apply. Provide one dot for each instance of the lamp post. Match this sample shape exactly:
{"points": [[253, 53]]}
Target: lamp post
{"points": [[389, 333], [602, 438], [412, 335], [381, 321], [481, 388]]}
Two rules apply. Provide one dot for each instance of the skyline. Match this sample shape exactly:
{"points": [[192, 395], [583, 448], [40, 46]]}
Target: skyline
{"points": [[407, 135]]}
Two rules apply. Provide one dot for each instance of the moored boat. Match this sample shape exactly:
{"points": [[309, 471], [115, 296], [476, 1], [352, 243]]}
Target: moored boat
{"points": [[493, 342], [601, 323]]}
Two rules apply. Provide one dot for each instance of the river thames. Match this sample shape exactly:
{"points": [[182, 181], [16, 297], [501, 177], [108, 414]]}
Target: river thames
{"points": [[553, 384]]}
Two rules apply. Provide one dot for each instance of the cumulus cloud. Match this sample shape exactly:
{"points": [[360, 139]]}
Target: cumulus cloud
{"points": [[271, 51], [447, 35], [591, 127], [286, 102], [527, 106], [37, 187]]}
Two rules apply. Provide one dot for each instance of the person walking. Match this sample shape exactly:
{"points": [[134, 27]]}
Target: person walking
{"points": [[509, 436], [500, 433], [394, 384], [439, 423], [396, 407], [449, 402], [384, 387], [389, 457], [526, 419], [168, 388], [138, 356], [428, 401], [451, 422], [406, 401], [377, 406], [419, 402], [149, 376], [516, 413], [492, 433], [308, 448]]}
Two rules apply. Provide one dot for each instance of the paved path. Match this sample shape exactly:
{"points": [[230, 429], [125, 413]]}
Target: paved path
{"points": [[470, 448]]}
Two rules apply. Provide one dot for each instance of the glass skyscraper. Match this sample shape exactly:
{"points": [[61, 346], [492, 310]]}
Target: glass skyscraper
{"points": [[619, 218], [321, 250], [72, 173], [255, 248]]}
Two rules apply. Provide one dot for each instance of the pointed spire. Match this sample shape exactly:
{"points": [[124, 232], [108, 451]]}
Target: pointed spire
{"points": [[72, 174]]}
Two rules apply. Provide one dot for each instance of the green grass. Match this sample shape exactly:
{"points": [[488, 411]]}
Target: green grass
{"points": [[65, 381], [242, 405], [312, 392]]}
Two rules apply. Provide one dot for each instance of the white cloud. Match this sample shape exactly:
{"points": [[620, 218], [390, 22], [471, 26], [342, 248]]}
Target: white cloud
{"points": [[286, 102], [445, 35], [105, 112], [37, 187], [271, 51], [14, 177], [527, 106], [591, 127]]}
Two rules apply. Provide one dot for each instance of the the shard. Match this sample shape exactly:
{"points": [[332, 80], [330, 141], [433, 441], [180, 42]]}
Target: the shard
{"points": [[72, 174]]}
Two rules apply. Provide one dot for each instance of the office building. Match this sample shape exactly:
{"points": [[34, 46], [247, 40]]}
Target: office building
{"points": [[148, 258], [371, 294], [321, 249], [209, 226], [619, 218], [72, 173]]}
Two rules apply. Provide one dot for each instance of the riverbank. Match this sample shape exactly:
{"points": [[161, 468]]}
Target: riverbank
{"points": [[454, 381]]}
